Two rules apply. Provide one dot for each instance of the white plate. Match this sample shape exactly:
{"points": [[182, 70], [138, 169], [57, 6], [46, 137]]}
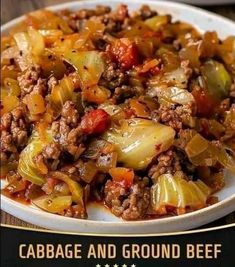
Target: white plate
{"points": [[207, 2], [100, 220]]}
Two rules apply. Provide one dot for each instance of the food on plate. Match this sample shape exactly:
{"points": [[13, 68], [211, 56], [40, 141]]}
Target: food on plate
{"points": [[133, 110]]}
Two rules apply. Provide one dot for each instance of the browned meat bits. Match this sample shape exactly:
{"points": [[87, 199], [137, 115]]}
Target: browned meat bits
{"points": [[130, 109]]}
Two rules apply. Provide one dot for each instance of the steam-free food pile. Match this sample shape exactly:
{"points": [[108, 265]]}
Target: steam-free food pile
{"points": [[129, 109]]}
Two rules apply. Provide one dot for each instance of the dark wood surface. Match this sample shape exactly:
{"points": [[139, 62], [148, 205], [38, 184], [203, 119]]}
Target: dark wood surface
{"points": [[15, 8]]}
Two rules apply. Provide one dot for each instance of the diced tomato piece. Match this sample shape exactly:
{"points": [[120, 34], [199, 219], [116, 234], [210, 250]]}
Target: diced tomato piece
{"points": [[204, 102], [95, 122], [123, 176], [125, 52]]}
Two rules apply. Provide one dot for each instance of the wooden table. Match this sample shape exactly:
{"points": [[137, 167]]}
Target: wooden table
{"points": [[14, 8]]}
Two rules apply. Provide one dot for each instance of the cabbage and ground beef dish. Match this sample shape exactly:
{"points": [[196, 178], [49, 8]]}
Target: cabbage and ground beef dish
{"points": [[129, 109]]}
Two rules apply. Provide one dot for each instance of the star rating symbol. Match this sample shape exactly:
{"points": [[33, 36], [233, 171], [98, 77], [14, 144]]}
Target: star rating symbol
{"points": [[115, 265]]}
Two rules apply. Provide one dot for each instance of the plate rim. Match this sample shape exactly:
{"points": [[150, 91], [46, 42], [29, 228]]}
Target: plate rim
{"points": [[43, 219], [70, 4], [228, 202]]}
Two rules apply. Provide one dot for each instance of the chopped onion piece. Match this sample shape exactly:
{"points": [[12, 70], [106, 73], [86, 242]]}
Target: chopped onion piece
{"points": [[176, 77], [156, 22], [36, 104], [96, 94], [172, 95], [110, 108], [9, 102], [196, 146], [201, 152], [226, 160]]}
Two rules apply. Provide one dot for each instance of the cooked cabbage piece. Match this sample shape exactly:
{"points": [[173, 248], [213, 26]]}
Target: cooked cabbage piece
{"points": [[217, 79], [89, 65], [31, 45], [176, 192], [138, 141], [53, 204], [201, 152], [27, 167], [74, 187], [173, 95], [133, 106], [60, 94]]}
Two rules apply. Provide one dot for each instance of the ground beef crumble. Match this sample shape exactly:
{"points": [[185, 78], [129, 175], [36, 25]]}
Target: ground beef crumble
{"points": [[112, 76], [14, 132], [124, 92], [116, 20], [174, 116], [127, 44], [232, 91], [166, 162], [31, 82], [113, 20], [146, 12], [88, 13], [67, 132], [67, 136], [52, 81], [130, 204], [52, 151], [229, 128]]}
